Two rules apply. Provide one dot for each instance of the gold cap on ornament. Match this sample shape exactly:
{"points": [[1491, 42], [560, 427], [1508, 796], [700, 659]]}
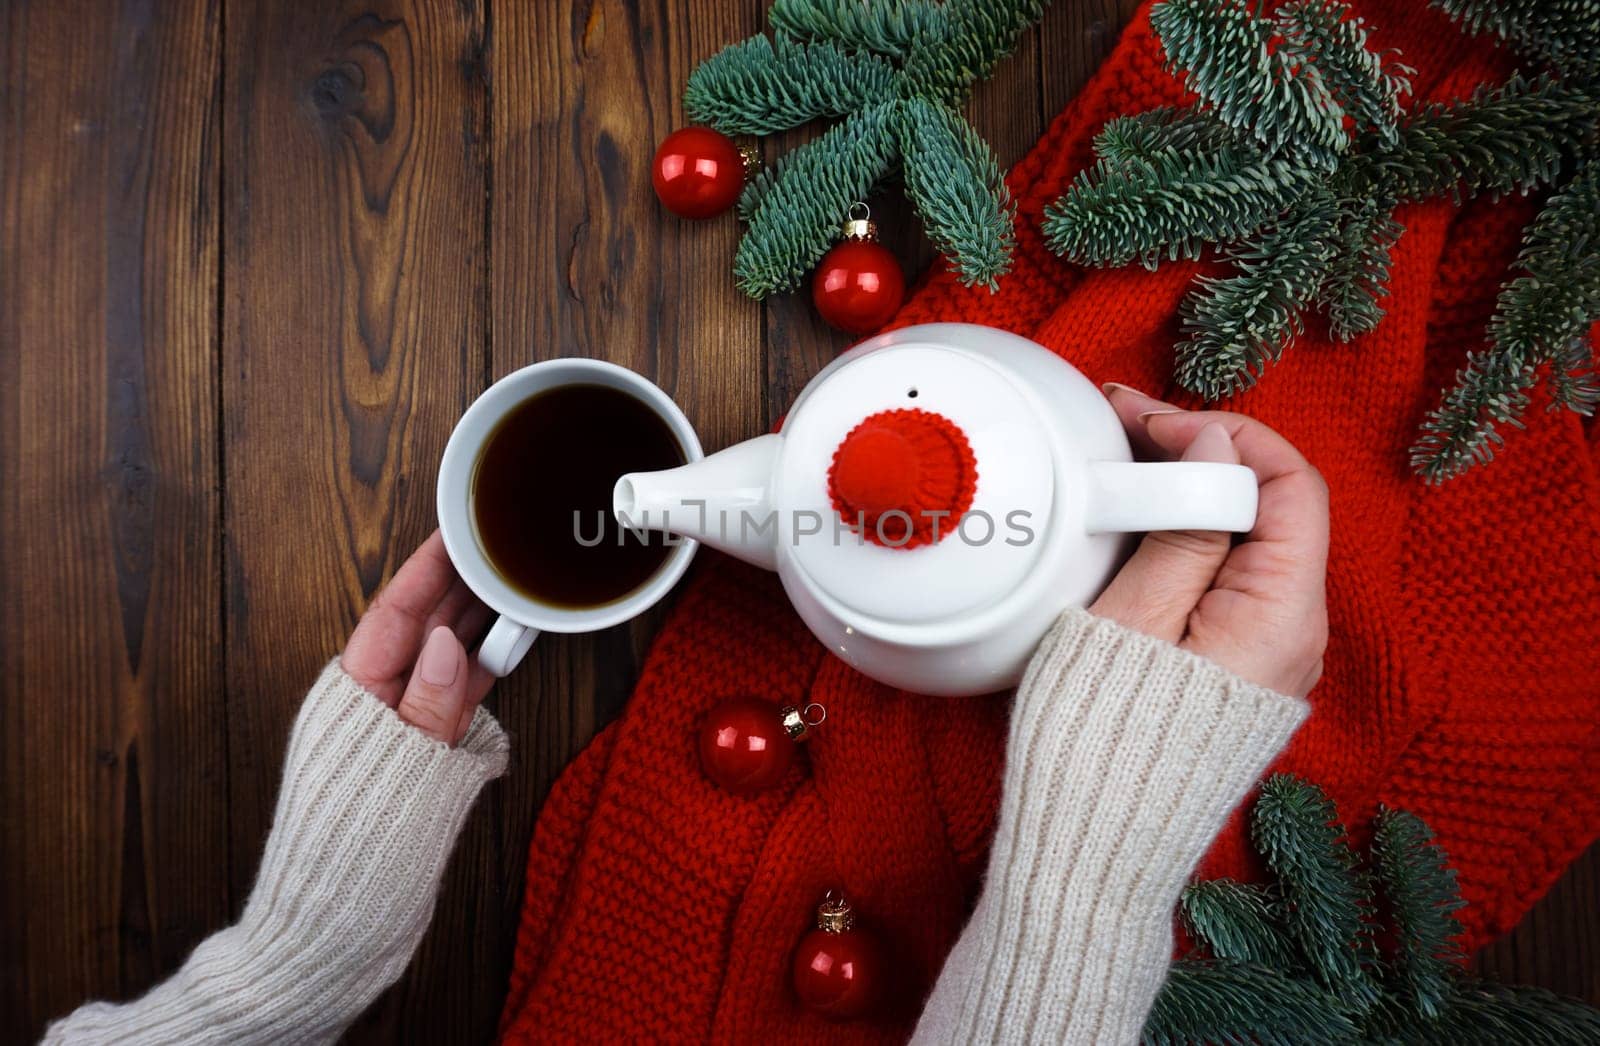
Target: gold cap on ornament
{"points": [[751, 160], [834, 914], [859, 226], [798, 723]]}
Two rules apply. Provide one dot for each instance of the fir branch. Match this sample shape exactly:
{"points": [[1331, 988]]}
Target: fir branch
{"points": [[1565, 33], [1234, 326], [1422, 897], [1485, 1014], [798, 214], [1358, 273], [1538, 317], [1327, 901], [964, 47], [1542, 312], [1510, 138], [891, 28], [1237, 921], [1233, 62], [758, 86], [1329, 37], [756, 188], [1321, 893], [1574, 383], [1227, 1002], [1490, 390], [1173, 204], [1143, 137], [956, 186]]}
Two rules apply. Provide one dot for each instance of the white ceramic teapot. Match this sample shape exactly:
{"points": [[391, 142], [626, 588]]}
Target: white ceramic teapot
{"points": [[936, 497]]}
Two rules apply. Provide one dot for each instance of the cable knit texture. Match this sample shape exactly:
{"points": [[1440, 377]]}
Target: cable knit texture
{"points": [[367, 815], [1125, 755], [1462, 679]]}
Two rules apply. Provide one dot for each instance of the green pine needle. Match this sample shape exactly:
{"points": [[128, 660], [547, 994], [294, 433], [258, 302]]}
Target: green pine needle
{"points": [[1510, 138], [1540, 317], [887, 27], [1293, 962], [1237, 921], [965, 45], [1565, 33], [1143, 137], [1328, 37], [759, 86], [1574, 379], [894, 74], [798, 215], [943, 159], [756, 188], [1171, 205], [1422, 897], [1327, 900], [1358, 273], [1206, 1002], [1540, 314], [1485, 1014], [1235, 325], [1491, 390], [1294, 100], [1232, 60]]}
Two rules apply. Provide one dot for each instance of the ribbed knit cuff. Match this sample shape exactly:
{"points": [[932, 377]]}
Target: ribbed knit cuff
{"points": [[1125, 756], [367, 815]]}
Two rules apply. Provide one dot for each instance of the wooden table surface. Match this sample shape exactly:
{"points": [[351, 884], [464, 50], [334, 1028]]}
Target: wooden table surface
{"points": [[255, 259]]}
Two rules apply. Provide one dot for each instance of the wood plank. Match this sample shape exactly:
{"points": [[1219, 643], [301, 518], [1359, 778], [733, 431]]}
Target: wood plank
{"points": [[373, 188], [111, 717], [1557, 944], [585, 263], [355, 155], [1074, 38]]}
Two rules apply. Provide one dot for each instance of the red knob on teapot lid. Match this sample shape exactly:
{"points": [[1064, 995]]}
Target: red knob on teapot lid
{"points": [[903, 478]]}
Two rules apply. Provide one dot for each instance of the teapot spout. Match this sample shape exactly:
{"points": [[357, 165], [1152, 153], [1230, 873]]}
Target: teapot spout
{"points": [[723, 501]]}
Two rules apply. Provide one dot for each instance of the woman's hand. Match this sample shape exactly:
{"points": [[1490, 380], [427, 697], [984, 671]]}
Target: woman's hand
{"points": [[1259, 608], [409, 648]]}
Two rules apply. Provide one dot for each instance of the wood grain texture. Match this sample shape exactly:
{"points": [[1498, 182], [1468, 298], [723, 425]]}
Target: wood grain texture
{"points": [[111, 728], [1557, 944], [255, 258], [354, 281], [584, 263]]}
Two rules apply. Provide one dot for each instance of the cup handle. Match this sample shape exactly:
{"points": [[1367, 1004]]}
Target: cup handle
{"points": [[505, 646], [1126, 496]]}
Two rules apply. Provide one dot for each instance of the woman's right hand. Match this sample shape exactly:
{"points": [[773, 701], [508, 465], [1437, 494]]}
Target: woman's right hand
{"points": [[1258, 608]]}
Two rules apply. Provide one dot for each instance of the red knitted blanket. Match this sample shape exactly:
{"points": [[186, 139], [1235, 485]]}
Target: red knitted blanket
{"points": [[1462, 680]]}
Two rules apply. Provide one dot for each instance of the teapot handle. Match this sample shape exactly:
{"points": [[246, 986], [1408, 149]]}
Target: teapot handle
{"points": [[1127, 496]]}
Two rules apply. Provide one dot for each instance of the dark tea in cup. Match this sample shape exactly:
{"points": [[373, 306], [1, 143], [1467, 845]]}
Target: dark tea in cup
{"points": [[541, 494]]}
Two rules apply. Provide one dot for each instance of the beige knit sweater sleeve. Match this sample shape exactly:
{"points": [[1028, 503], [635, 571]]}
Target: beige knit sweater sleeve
{"points": [[367, 816], [1126, 755]]}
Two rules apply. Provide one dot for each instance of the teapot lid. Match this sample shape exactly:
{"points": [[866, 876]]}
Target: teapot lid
{"points": [[916, 484]]}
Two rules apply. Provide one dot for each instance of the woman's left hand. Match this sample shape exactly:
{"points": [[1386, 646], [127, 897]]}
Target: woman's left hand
{"points": [[409, 648]]}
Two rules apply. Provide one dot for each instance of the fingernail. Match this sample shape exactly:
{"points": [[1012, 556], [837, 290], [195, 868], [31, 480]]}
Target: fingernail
{"points": [[1116, 386], [1152, 413], [1212, 443], [438, 662]]}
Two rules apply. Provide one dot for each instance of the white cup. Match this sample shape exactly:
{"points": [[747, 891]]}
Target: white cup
{"points": [[522, 618]]}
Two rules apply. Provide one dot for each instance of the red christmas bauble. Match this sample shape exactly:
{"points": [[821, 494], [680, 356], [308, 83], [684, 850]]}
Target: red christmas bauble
{"points": [[858, 286], [838, 969], [698, 172], [745, 746]]}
